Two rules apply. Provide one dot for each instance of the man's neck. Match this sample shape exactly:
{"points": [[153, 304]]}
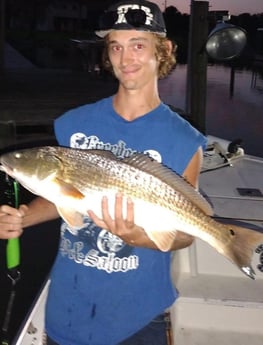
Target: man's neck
{"points": [[131, 104]]}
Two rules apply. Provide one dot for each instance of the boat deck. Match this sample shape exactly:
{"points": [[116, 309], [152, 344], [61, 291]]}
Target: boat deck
{"points": [[217, 302]]}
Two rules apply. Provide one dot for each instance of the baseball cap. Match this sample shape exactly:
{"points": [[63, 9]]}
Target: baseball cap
{"points": [[132, 15]]}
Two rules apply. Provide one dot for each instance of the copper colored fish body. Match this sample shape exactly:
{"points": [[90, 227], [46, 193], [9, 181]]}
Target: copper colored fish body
{"points": [[76, 180]]}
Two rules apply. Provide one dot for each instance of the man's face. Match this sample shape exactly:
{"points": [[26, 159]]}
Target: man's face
{"points": [[133, 57]]}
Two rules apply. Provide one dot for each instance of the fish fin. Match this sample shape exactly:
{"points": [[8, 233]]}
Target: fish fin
{"points": [[149, 165], [163, 239], [71, 217], [68, 189], [241, 248]]}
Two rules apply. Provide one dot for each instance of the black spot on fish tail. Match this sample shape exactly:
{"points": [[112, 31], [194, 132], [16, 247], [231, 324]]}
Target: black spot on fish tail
{"points": [[241, 248], [232, 232]]}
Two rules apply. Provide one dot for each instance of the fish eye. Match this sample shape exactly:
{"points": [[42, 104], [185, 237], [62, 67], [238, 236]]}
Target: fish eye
{"points": [[18, 155]]}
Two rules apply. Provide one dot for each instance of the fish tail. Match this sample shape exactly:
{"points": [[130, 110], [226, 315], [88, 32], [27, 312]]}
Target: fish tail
{"points": [[242, 247]]}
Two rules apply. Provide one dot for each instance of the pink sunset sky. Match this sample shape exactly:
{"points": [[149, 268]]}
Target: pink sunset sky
{"points": [[234, 6]]}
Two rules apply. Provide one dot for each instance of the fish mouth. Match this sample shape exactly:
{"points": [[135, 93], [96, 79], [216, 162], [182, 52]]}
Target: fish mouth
{"points": [[7, 169], [2, 168]]}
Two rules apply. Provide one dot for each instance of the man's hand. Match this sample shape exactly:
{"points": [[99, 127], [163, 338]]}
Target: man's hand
{"points": [[125, 228], [11, 221]]}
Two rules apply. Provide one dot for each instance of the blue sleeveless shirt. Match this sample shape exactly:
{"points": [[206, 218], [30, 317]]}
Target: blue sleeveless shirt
{"points": [[102, 290]]}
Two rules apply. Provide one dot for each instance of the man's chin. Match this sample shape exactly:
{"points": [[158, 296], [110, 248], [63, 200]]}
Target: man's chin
{"points": [[129, 84]]}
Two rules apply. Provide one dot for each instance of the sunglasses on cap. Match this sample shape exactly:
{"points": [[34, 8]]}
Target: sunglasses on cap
{"points": [[136, 18]]}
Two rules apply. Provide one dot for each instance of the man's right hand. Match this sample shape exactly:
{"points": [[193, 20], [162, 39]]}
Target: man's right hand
{"points": [[11, 220]]}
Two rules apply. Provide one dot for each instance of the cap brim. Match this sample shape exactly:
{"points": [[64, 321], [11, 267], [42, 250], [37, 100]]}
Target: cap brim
{"points": [[104, 33]]}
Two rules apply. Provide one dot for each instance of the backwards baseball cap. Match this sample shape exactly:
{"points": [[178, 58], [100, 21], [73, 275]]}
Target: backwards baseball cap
{"points": [[132, 15]]}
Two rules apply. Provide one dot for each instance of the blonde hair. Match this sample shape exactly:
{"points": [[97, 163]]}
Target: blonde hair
{"points": [[165, 56]]}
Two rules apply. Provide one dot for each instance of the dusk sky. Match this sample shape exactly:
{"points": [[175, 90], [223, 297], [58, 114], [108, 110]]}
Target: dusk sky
{"points": [[234, 6]]}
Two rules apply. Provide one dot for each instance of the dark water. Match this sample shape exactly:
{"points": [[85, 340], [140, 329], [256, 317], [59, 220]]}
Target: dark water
{"points": [[239, 116]]}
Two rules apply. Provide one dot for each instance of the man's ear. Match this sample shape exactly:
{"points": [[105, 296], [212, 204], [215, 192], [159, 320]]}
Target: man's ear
{"points": [[169, 49], [170, 46]]}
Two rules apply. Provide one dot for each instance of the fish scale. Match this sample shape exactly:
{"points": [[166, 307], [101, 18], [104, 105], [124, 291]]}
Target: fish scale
{"points": [[124, 178]]}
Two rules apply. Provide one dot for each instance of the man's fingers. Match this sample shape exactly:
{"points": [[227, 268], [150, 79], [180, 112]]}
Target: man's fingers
{"points": [[130, 213], [99, 222]]}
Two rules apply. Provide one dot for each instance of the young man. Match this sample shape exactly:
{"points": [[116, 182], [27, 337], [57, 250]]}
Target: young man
{"points": [[109, 281]]}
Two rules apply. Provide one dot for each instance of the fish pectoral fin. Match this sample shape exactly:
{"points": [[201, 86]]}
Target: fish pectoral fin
{"points": [[163, 239], [73, 218], [69, 190]]}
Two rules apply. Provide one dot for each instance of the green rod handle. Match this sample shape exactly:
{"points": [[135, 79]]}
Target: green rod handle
{"points": [[13, 244], [13, 253]]}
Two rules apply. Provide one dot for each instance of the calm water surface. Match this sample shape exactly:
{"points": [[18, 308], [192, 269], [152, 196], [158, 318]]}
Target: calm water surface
{"points": [[239, 116]]}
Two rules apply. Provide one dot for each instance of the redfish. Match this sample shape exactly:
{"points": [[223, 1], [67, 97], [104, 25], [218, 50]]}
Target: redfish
{"points": [[164, 202]]}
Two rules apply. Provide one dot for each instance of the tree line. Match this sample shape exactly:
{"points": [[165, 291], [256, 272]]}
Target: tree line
{"points": [[25, 15]]}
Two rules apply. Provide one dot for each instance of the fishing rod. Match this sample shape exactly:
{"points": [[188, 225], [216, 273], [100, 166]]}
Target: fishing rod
{"points": [[11, 194]]}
